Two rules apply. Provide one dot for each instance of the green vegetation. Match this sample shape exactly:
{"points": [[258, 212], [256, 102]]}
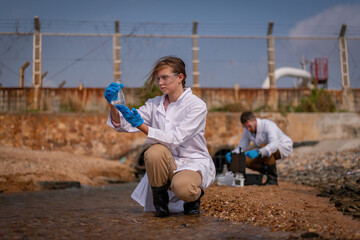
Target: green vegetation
{"points": [[71, 105], [234, 107], [317, 101], [155, 91]]}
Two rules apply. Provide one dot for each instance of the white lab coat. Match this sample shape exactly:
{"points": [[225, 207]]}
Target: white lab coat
{"points": [[268, 133], [181, 128]]}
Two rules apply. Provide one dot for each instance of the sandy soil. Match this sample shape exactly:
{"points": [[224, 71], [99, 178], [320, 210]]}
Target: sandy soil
{"points": [[22, 170], [287, 207]]}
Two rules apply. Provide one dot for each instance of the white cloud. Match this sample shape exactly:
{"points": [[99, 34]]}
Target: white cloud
{"points": [[329, 21]]}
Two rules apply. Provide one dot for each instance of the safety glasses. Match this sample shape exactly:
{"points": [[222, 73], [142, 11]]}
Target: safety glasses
{"points": [[166, 79]]}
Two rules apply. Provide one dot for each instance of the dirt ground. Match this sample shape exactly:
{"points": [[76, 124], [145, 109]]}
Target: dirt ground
{"points": [[22, 169], [287, 207]]}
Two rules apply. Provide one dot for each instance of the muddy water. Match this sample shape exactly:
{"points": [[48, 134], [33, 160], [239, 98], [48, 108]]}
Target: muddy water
{"points": [[108, 213]]}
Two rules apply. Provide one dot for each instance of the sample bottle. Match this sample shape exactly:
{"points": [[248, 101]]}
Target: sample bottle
{"points": [[120, 99]]}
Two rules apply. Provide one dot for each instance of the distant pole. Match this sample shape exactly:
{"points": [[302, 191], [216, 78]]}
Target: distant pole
{"points": [[116, 51], [22, 74], [61, 85], [44, 75], [37, 83], [195, 60], [345, 79], [271, 55]]}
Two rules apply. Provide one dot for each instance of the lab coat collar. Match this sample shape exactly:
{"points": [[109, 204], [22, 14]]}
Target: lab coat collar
{"points": [[161, 107], [186, 92]]}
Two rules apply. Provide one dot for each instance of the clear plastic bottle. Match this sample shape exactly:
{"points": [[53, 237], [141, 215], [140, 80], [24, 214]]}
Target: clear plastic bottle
{"points": [[120, 100]]}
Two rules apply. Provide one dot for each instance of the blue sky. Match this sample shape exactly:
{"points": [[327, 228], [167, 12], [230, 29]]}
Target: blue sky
{"points": [[223, 63]]}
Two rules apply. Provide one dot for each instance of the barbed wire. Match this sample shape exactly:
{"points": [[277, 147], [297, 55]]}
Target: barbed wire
{"points": [[56, 25]]}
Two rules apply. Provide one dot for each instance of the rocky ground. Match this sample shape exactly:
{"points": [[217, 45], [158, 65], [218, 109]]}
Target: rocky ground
{"points": [[335, 173]]}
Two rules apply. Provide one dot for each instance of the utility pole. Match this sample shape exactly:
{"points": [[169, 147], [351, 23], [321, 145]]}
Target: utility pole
{"points": [[37, 82], [344, 58], [195, 50], [271, 55], [116, 51]]}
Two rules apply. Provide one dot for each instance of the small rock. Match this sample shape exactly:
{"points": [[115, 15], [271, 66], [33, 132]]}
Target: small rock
{"points": [[310, 235]]}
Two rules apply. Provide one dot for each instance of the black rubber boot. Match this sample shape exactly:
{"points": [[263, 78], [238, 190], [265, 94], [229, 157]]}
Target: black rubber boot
{"points": [[161, 201], [191, 208], [271, 174], [263, 169]]}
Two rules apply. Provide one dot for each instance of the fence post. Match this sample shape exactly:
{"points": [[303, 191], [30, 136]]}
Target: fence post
{"points": [[116, 51], [37, 80], [345, 79], [271, 55], [37, 83], [195, 60], [344, 58], [22, 74]]}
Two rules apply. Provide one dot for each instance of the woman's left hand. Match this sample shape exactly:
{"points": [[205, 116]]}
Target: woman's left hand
{"points": [[133, 117]]}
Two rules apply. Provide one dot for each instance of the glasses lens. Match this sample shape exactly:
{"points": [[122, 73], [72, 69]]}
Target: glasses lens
{"points": [[166, 78]]}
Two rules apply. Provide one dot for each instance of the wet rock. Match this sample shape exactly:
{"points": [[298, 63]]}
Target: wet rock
{"points": [[183, 225], [310, 235], [50, 185]]}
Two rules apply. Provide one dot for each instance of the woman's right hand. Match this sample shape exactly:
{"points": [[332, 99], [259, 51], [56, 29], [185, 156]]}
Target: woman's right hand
{"points": [[111, 91]]}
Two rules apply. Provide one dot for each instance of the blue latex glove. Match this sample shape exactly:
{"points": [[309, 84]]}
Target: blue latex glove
{"points": [[112, 90], [228, 157], [133, 117], [252, 154]]}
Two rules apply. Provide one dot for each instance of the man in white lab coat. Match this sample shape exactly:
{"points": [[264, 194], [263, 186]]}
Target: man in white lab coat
{"points": [[270, 142]]}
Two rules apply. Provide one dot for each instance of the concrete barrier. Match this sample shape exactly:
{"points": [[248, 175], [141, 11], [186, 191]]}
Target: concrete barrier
{"points": [[88, 134]]}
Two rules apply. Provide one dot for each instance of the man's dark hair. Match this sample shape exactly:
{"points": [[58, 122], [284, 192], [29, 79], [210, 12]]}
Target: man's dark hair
{"points": [[247, 116]]}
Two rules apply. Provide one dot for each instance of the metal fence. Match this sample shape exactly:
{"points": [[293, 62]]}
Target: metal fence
{"points": [[220, 61]]}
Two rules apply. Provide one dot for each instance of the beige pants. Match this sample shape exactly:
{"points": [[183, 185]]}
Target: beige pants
{"points": [[160, 166]]}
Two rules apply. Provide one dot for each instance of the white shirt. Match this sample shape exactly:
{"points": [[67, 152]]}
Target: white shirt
{"points": [[181, 128], [267, 132]]}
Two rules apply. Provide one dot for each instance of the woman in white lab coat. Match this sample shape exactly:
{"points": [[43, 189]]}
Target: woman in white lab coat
{"points": [[178, 159]]}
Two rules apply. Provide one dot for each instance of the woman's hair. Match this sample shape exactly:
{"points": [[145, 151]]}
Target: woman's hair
{"points": [[175, 63], [246, 116]]}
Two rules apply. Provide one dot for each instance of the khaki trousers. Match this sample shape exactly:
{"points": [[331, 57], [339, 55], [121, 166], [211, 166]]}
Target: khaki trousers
{"points": [[160, 166], [257, 163]]}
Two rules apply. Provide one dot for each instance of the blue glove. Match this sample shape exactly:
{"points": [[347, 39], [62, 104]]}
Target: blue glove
{"points": [[133, 117], [112, 90], [252, 154], [228, 157]]}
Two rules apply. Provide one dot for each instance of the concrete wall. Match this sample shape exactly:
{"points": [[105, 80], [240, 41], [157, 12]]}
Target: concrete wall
{"points": [[92, 99], [87, 133]]}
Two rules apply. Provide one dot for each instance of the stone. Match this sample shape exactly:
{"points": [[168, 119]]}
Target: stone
{"points": [[52, 185]]}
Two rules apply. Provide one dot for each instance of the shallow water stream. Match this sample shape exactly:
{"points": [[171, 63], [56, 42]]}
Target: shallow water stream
{"points": [[108, 212]]}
